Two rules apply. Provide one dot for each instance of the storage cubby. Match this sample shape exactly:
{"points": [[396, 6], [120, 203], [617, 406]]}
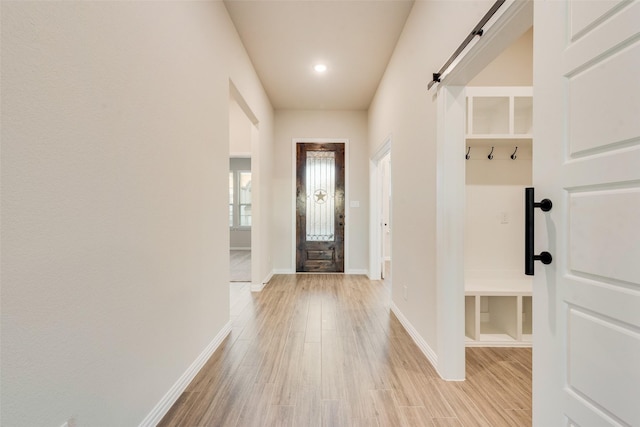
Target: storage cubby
{"points": [[498, 304], [522, 115], [498, 317], [490, 115], [499, 112], [498, 312]]}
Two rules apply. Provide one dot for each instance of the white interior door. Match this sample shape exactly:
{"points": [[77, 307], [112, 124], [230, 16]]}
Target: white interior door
{"points": [[587, 161]]}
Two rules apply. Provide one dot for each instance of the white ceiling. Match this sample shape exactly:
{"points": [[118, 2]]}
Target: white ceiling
{"points": [[286, 38]]}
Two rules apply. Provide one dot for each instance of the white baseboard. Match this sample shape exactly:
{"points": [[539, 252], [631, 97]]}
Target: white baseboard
{"points": [[257, 287], [387, 258], [167, 401], [420, 342], [363, 271]]}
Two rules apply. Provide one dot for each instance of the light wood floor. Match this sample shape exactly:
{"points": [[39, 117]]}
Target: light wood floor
{"points": [[240, 265], [324, 350]]}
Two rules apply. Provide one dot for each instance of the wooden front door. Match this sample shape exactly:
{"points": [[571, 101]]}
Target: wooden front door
{"points": [[320, 219], [586, 159]]}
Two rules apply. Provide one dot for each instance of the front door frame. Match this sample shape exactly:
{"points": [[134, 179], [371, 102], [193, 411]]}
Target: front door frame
{"points": [[511, 21], [294, 143]]}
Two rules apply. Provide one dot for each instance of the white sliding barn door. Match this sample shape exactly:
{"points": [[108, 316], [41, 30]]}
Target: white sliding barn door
{"points": [[587, 161]]}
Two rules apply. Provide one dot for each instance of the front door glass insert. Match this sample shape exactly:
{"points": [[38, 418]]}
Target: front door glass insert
{"points": [[320, 184]]}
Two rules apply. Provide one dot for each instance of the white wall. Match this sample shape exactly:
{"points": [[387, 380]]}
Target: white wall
{"points": [[351, 125], [404, 109], [115, 151], [502, 170], [239, 130], [513, 67], [494, 237]]}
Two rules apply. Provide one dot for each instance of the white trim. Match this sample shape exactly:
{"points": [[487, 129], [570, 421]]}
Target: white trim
{"points": [[294, 142], [240, 249], [375, 195], [258, 287], [167, 401], [416, 337], [239, 155], [450, 198], [362, 271], [283, 271]]}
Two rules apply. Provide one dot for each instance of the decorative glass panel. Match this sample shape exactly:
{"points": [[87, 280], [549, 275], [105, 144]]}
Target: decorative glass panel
{"points": [[245, 199], [321, 184]]}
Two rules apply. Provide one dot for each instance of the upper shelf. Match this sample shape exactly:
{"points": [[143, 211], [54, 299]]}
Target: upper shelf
{"points": [[499, 112]]}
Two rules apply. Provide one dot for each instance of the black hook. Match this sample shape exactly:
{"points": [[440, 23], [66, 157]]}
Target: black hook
{"points": [[467, 156], [513, 156], [490, 156]]}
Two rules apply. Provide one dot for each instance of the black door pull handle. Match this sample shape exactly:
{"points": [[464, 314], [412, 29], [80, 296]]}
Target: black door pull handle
{"points": [[529, 205]]}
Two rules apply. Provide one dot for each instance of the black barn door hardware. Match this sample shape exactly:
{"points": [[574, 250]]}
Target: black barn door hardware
{"points": [[529, 206], [477, 31]]}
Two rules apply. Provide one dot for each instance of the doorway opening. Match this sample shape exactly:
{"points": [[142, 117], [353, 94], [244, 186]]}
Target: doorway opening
{"points": [[243, 236], [498, 168], [498, 63], [380, 225], [240, 219], [385, 216]]}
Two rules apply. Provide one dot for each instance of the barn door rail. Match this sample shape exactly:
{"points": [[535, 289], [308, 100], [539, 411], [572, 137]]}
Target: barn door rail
{"points": [[477, 31], [529, 205]]}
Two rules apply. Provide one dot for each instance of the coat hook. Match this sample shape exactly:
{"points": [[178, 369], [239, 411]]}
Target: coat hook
{"points": [[467, 156], [513, 156], [490, 156]]}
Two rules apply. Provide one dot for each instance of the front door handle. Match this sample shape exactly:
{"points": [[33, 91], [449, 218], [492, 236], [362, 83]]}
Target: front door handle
{"points": [[529, 256]]}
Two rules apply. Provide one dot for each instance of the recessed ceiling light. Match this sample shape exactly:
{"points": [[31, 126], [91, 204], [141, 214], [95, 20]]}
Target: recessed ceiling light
{"points": [[320, 68]]}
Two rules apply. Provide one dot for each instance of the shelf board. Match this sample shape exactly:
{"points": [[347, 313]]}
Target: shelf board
{"points": [[497, 337], [513, 343], [498, 287], [493, 137]]}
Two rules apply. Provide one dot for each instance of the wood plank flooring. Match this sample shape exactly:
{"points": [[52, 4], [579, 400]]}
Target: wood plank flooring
{"points": [[240, 265], [325, 350]]}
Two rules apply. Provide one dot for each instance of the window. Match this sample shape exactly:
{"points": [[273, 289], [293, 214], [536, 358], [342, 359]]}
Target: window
{"points": [[244, 179], [240, 199]]}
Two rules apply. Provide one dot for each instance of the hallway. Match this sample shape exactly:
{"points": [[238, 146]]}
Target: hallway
{"points": [[313, 350]]}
